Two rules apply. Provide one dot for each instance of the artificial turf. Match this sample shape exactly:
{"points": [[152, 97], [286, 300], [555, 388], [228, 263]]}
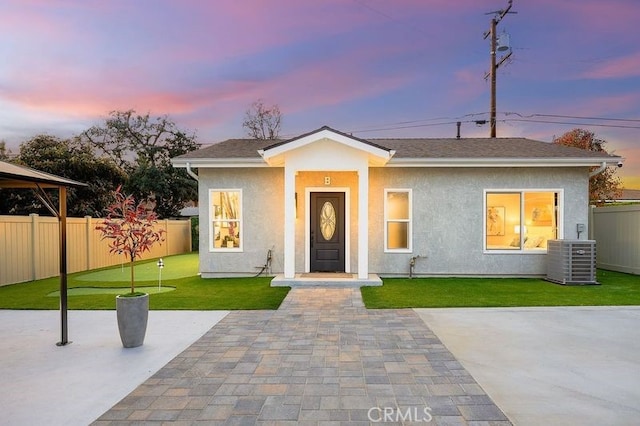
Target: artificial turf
{"points": [[615, 289], [191, 291], [95, 290]]}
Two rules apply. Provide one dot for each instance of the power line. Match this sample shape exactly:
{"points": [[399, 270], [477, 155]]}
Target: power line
{"points": [[526, 120], [575, 117], [392, 125], [404, 127]]}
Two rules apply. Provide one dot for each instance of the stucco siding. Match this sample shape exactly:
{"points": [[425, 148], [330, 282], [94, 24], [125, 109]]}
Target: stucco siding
{"points": [[448, 213], [447, 217], [262, 220]]}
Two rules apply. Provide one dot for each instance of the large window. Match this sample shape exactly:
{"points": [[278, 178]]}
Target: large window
{"points": [[521, 220], [226, 219], [397, 220]]}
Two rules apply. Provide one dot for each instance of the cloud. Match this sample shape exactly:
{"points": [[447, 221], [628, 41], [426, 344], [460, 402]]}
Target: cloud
{"points": [[621, 67]]}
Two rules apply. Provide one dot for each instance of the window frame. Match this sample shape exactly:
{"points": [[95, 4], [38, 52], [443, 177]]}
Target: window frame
{"points": [[212, 219], [522, 191], [409, 221]]}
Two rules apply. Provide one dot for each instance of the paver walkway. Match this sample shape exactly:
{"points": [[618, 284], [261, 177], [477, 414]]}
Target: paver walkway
{"points": [[321, 358]]}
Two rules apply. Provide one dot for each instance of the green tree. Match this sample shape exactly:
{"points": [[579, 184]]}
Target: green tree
{"points": [[261, 121], [143, 146], [605, 185], [72, 159]]}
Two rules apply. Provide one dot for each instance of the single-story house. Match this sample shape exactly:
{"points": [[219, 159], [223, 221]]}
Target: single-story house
{"points": [[327, 201]]}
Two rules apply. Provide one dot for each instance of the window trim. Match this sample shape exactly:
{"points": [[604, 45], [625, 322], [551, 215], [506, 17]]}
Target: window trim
{"points": [[409, 221], [212, 248], [522, 192]]}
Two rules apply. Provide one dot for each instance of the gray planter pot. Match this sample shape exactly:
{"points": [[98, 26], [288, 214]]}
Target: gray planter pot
{"points": [[132, 319]]}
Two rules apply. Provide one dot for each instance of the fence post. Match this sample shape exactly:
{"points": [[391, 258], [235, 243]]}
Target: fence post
{"points": [[35, 253], [166, 234], [591, 223], [89, 241]]}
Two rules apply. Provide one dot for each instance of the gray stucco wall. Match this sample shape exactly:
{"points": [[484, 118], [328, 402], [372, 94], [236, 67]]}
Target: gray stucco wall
{"points": [[262, 220], [448, 213], [448, 218]]}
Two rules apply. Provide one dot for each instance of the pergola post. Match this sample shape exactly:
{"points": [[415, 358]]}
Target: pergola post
{"points": [[21, 177], [62, 216]]}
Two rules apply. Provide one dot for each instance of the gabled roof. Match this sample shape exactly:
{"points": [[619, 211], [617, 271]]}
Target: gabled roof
{"points": [[377, 155], [15, 176], [414, 152], [277, 144]]}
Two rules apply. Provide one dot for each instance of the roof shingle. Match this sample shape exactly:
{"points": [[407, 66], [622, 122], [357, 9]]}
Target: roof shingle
{"points": [[418, 148]]}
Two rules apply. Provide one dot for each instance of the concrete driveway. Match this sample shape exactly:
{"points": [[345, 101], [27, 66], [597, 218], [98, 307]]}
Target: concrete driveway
{"points": [[44, 384], [563, 366], [569, 366]]}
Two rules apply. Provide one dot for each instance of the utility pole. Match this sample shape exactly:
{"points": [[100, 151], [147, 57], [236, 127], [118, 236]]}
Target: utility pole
{"points": [[498, 15]]}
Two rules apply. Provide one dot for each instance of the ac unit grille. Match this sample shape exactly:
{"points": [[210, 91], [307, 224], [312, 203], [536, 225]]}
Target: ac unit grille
{"points": [[571, 261]]}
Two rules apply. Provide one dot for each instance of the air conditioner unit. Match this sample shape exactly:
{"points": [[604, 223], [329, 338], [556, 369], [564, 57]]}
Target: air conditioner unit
{"points": [[571, 261]]}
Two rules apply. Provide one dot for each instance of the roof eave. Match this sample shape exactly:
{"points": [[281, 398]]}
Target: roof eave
{"points": [[218, 162], [502, 162]]}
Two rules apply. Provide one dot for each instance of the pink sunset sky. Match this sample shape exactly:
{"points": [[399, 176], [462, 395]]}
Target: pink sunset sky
{"points": [[376, 68]]}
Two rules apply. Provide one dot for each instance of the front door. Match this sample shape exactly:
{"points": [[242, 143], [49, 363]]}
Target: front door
{"points": [[327, 232]]}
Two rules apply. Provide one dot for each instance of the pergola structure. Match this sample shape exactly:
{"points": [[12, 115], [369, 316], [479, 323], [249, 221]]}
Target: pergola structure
{"points": [[20, 177]]}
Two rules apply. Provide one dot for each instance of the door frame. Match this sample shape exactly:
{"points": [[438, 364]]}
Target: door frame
{"points": [[307, 224]]}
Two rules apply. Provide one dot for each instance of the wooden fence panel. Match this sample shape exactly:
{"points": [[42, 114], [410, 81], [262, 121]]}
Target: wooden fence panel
{"points": [[29, 246], [46, 247], [16, 257], [616, 230]]}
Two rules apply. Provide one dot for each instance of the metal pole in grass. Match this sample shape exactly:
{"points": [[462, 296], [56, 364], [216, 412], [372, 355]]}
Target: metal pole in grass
{"points": [[160, 266]]}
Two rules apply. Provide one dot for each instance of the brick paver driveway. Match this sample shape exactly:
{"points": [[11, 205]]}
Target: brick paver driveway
{"points": [[321, 358]]}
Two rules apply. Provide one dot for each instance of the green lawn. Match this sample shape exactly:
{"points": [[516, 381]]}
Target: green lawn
{"points": [[96, 289], [615, 289], [87, 291]]}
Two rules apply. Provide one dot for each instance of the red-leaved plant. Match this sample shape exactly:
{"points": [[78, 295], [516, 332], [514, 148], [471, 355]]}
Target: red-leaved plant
{"points": [[130, 227]]}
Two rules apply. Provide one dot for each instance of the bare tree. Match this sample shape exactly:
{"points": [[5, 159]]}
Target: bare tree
{"points": [[262, 122]]}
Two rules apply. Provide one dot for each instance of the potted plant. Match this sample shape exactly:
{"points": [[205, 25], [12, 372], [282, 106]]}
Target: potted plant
{"points": [[130, 228]]}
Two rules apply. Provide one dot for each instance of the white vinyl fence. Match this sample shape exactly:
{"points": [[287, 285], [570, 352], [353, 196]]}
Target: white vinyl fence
{"points": [[29, 246], [616, 230]]}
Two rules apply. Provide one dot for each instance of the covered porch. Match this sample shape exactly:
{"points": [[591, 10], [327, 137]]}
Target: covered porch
{"points": [[345, 224]]}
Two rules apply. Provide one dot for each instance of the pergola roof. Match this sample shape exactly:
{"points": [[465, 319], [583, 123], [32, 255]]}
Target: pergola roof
{"points": [[14, 176]]}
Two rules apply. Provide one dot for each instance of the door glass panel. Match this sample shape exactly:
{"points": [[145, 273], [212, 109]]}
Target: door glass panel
{"points": [[327, 220]]}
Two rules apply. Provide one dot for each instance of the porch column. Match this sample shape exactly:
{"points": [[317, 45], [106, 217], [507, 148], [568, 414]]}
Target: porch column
{"points": [[363, 222], [289, 222]]}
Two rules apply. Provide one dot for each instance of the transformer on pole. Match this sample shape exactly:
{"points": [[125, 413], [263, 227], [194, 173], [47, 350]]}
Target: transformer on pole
{"points": [[498, 44]]}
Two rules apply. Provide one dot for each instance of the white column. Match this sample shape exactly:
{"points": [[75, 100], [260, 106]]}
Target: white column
{"points": [[363, 222], [289, 223]]}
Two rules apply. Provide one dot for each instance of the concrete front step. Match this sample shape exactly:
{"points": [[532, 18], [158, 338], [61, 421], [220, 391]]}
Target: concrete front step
{"points": [[325, 280]]}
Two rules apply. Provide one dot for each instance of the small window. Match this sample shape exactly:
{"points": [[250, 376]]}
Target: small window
{"points": [[397, 220], [226, 220], [521, 221]]}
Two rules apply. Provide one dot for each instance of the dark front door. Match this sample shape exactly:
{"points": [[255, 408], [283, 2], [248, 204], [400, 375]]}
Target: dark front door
{"points": [[327, 232]]}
